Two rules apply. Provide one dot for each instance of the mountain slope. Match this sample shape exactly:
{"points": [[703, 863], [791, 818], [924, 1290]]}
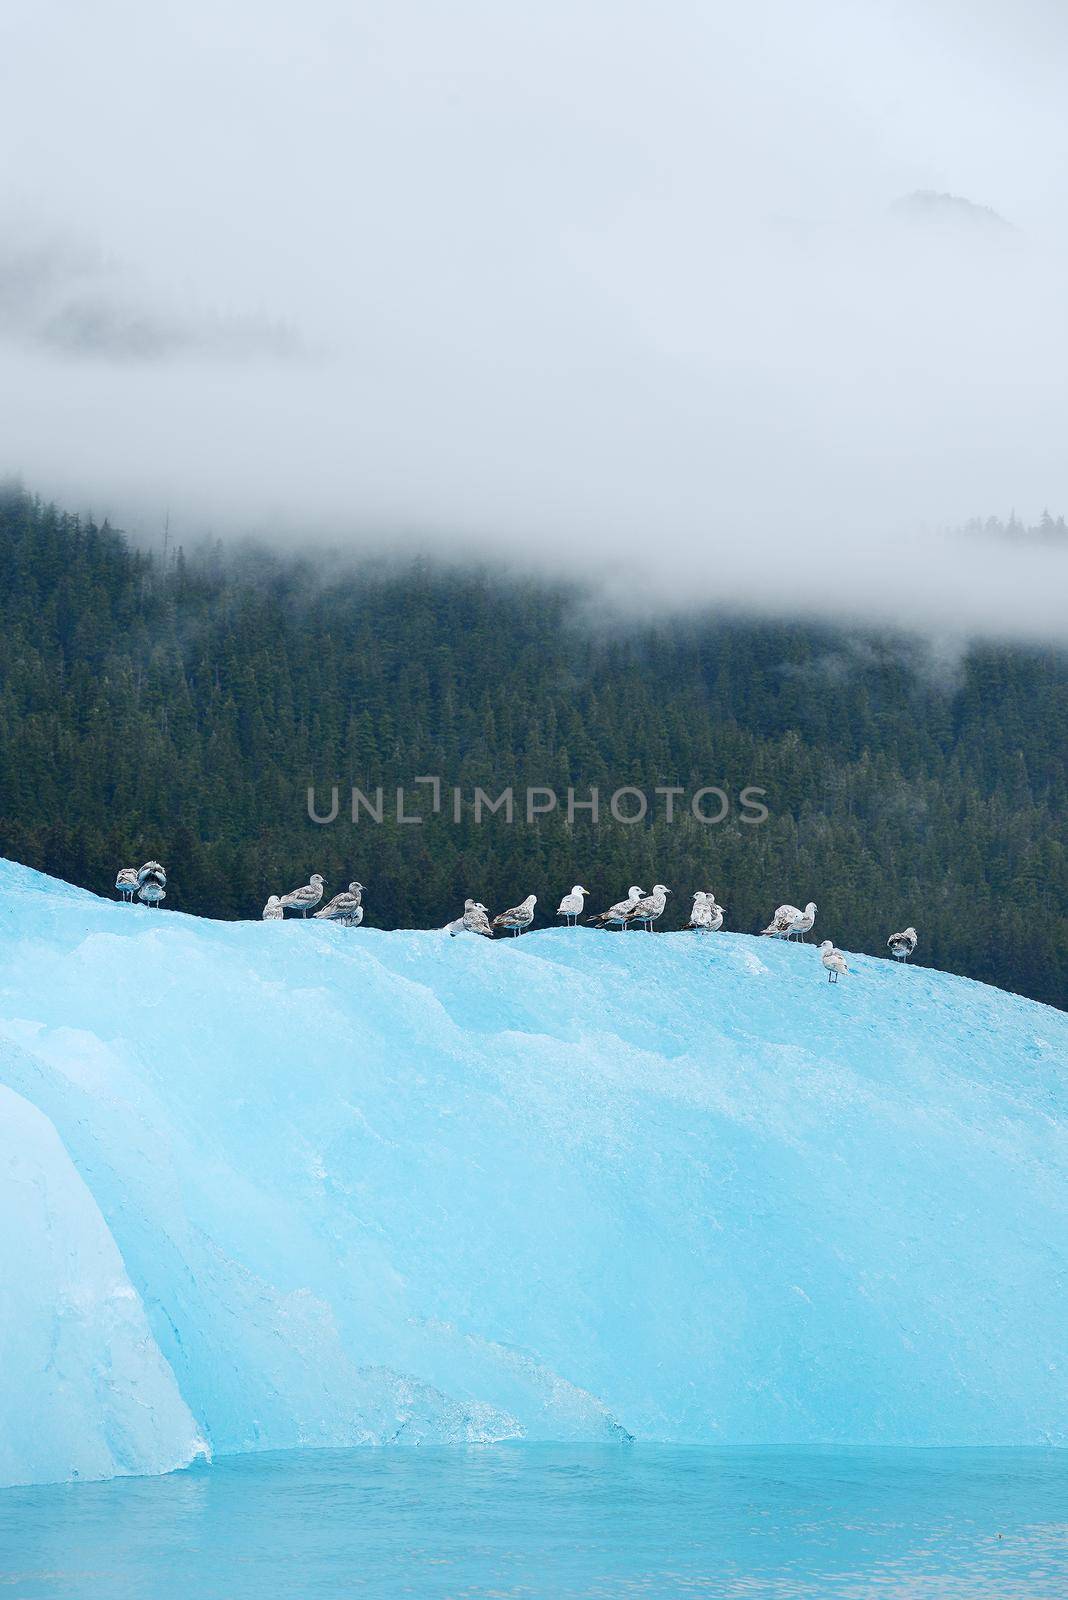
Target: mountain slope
{"points": [[181, 710], [377, 1187]]}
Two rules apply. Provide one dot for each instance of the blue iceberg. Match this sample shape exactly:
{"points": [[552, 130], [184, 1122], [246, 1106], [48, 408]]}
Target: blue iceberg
{"points": [[364, 1187]]}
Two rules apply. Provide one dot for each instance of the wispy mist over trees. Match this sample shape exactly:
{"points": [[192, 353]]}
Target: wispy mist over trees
{"points": [[1048, 530], [730, 305]]}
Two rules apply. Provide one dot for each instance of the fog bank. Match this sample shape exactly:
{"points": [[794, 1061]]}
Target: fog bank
{"points": [[596, 290]]}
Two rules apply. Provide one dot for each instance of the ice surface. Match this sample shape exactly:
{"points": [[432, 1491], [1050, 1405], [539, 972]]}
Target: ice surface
{"points": [[394, 1186], [84, 1391]]}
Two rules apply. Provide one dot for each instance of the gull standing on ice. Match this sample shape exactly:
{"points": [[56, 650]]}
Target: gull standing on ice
{"points": [[572, 905], [650, 907], [474, 920], [833, 961], [718, 911], [706, 916], [616, 916], [901, 945], [126, 883], [517, 917], [272, 911], [346, 907], [307, 897], [788, 921], [151, 883]]}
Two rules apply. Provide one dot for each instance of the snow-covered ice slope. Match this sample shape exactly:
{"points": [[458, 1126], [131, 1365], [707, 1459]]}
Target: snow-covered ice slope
{"points": [[395, 1186]]}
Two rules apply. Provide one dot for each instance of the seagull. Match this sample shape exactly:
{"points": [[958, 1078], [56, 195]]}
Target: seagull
{"points": [[126, 883], [474, 920], [272, 911], [901, 945], [788, 920], [833, 961], [151, 891], [718, 911], [700, 914], [571, 906], [616, 916], [649, 907], [346, 907], [706, 916], [517, 917], [307, 897]]}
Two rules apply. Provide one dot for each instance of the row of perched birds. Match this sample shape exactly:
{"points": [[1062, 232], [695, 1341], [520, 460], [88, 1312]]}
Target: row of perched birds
{"points": [[346, 907], [642, 910], [637, 910]]}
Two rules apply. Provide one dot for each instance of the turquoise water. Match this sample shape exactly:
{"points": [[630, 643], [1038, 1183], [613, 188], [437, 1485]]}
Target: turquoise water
{"points": [[598, 1521]]}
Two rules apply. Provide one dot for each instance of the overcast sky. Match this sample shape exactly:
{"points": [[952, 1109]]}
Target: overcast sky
{"points": [[608, 287]]}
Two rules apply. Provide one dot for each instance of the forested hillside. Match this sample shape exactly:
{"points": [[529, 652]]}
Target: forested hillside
{"points": [[181, 708]]}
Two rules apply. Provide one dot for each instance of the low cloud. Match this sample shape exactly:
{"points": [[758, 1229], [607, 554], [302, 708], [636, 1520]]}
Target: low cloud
{"points": [[62, 298], [713, 309]]}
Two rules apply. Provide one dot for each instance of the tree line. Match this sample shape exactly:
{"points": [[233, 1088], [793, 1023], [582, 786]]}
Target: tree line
{"points": [[181, 707]]}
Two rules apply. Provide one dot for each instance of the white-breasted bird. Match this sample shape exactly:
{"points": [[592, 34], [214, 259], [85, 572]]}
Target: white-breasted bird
{"points": [[573, 904], [901, 945], [307, 897], [789, 922], [833, 961], [151, 891], [346, 907], [649, 907], [780, 924], [474, 920], [616, 916], [517, 918], [706, 916], [272, 911], [126, 882]]}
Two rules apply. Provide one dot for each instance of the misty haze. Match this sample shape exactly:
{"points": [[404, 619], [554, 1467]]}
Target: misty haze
{"points": [[750, 310]]}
